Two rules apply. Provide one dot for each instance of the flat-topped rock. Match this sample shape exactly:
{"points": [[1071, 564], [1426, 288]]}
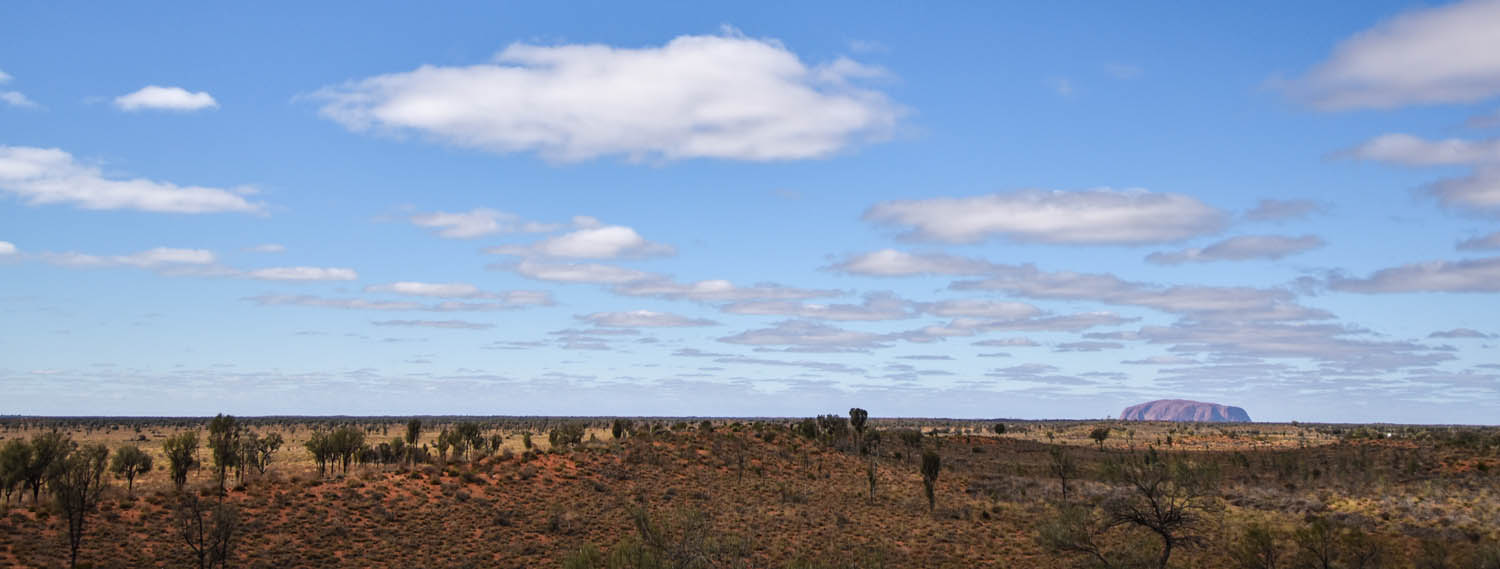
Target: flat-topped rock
{"points": [[1184, 410]]}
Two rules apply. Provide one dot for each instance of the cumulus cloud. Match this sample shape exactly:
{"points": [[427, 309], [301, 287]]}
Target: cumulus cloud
{"points": [[1087, 217], [723, 96], [445, 324], [1460, 333], [153, 97], [876, 306], [478, 222], [1273, 210], [8, 249], [579, 272], [718, 290], [830, 367], [1491, 241], [1445, 54], [267, 248], [1240, 248], [604, 242], [1471, 275], [1162, 360], [303, 274], [893, 263], [643, 319], [49, 175], [1087, 346], [1345, 347]]}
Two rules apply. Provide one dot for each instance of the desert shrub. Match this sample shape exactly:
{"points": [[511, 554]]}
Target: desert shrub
{"points": [[1256, 548], [565, 435], [1166, 498]]}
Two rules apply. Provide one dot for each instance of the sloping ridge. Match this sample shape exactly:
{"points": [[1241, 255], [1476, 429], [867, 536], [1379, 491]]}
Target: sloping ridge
{"points": [[1184, 410]]}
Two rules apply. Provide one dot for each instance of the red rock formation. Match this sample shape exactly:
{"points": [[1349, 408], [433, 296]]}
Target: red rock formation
{"points": [[1184, 410]]}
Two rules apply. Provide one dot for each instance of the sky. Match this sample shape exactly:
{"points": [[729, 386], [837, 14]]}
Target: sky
{"points": [[976, 210]]}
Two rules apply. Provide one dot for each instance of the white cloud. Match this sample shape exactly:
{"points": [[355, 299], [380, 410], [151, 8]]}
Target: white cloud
{"points": [[1087, 217], [18, 99], [439, 290], [508, 301], [153, 97], [1447, 54], [1460, 333], [1008, 342], [724, 96], [1408, 150], [718, 290], [975, 308], [303, 274], [1479, 191], [49, 175], [808, 336], [7, 249], [602, 242], [893, 263], [267, 248], [445, 324], [579, 272], [1273, 210], [149, 259], [1473, 275], [878, 306], [5, 77], [1241, 248], [478, 222], [642, 319], [1491, 241], [1201, 302]]}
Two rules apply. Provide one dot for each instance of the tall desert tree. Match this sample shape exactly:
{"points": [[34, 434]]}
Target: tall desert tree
{"points": [[857, 418], [181, 450], [77, 483], [256, 450], [130, 461], [318, 446], [1063, 467], [931, 465]]}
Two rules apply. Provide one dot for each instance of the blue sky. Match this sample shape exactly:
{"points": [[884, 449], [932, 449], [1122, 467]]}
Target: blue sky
{"points": [[779, 209]]}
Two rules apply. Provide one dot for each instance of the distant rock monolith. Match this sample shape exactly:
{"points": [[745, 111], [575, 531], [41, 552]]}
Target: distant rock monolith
{"points": [[1184, 410]]}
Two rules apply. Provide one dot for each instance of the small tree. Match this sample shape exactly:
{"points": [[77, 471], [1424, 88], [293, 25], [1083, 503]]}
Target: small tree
{"points": [[77, 484], [1099, 434], [318, 446], [14, 457], [47, 452], [1317, 544], [258, 450], [857, 418], [619, 428], [130, 461], [207, 530], [413, 431], [931, 464], [1063, 467], [470, 436], [224, 445], [1167, 498], [182, 452], [999, 428]]}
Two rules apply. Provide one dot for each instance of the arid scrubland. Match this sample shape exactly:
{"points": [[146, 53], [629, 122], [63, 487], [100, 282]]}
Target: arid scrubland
{"points": [[821, 492]]}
